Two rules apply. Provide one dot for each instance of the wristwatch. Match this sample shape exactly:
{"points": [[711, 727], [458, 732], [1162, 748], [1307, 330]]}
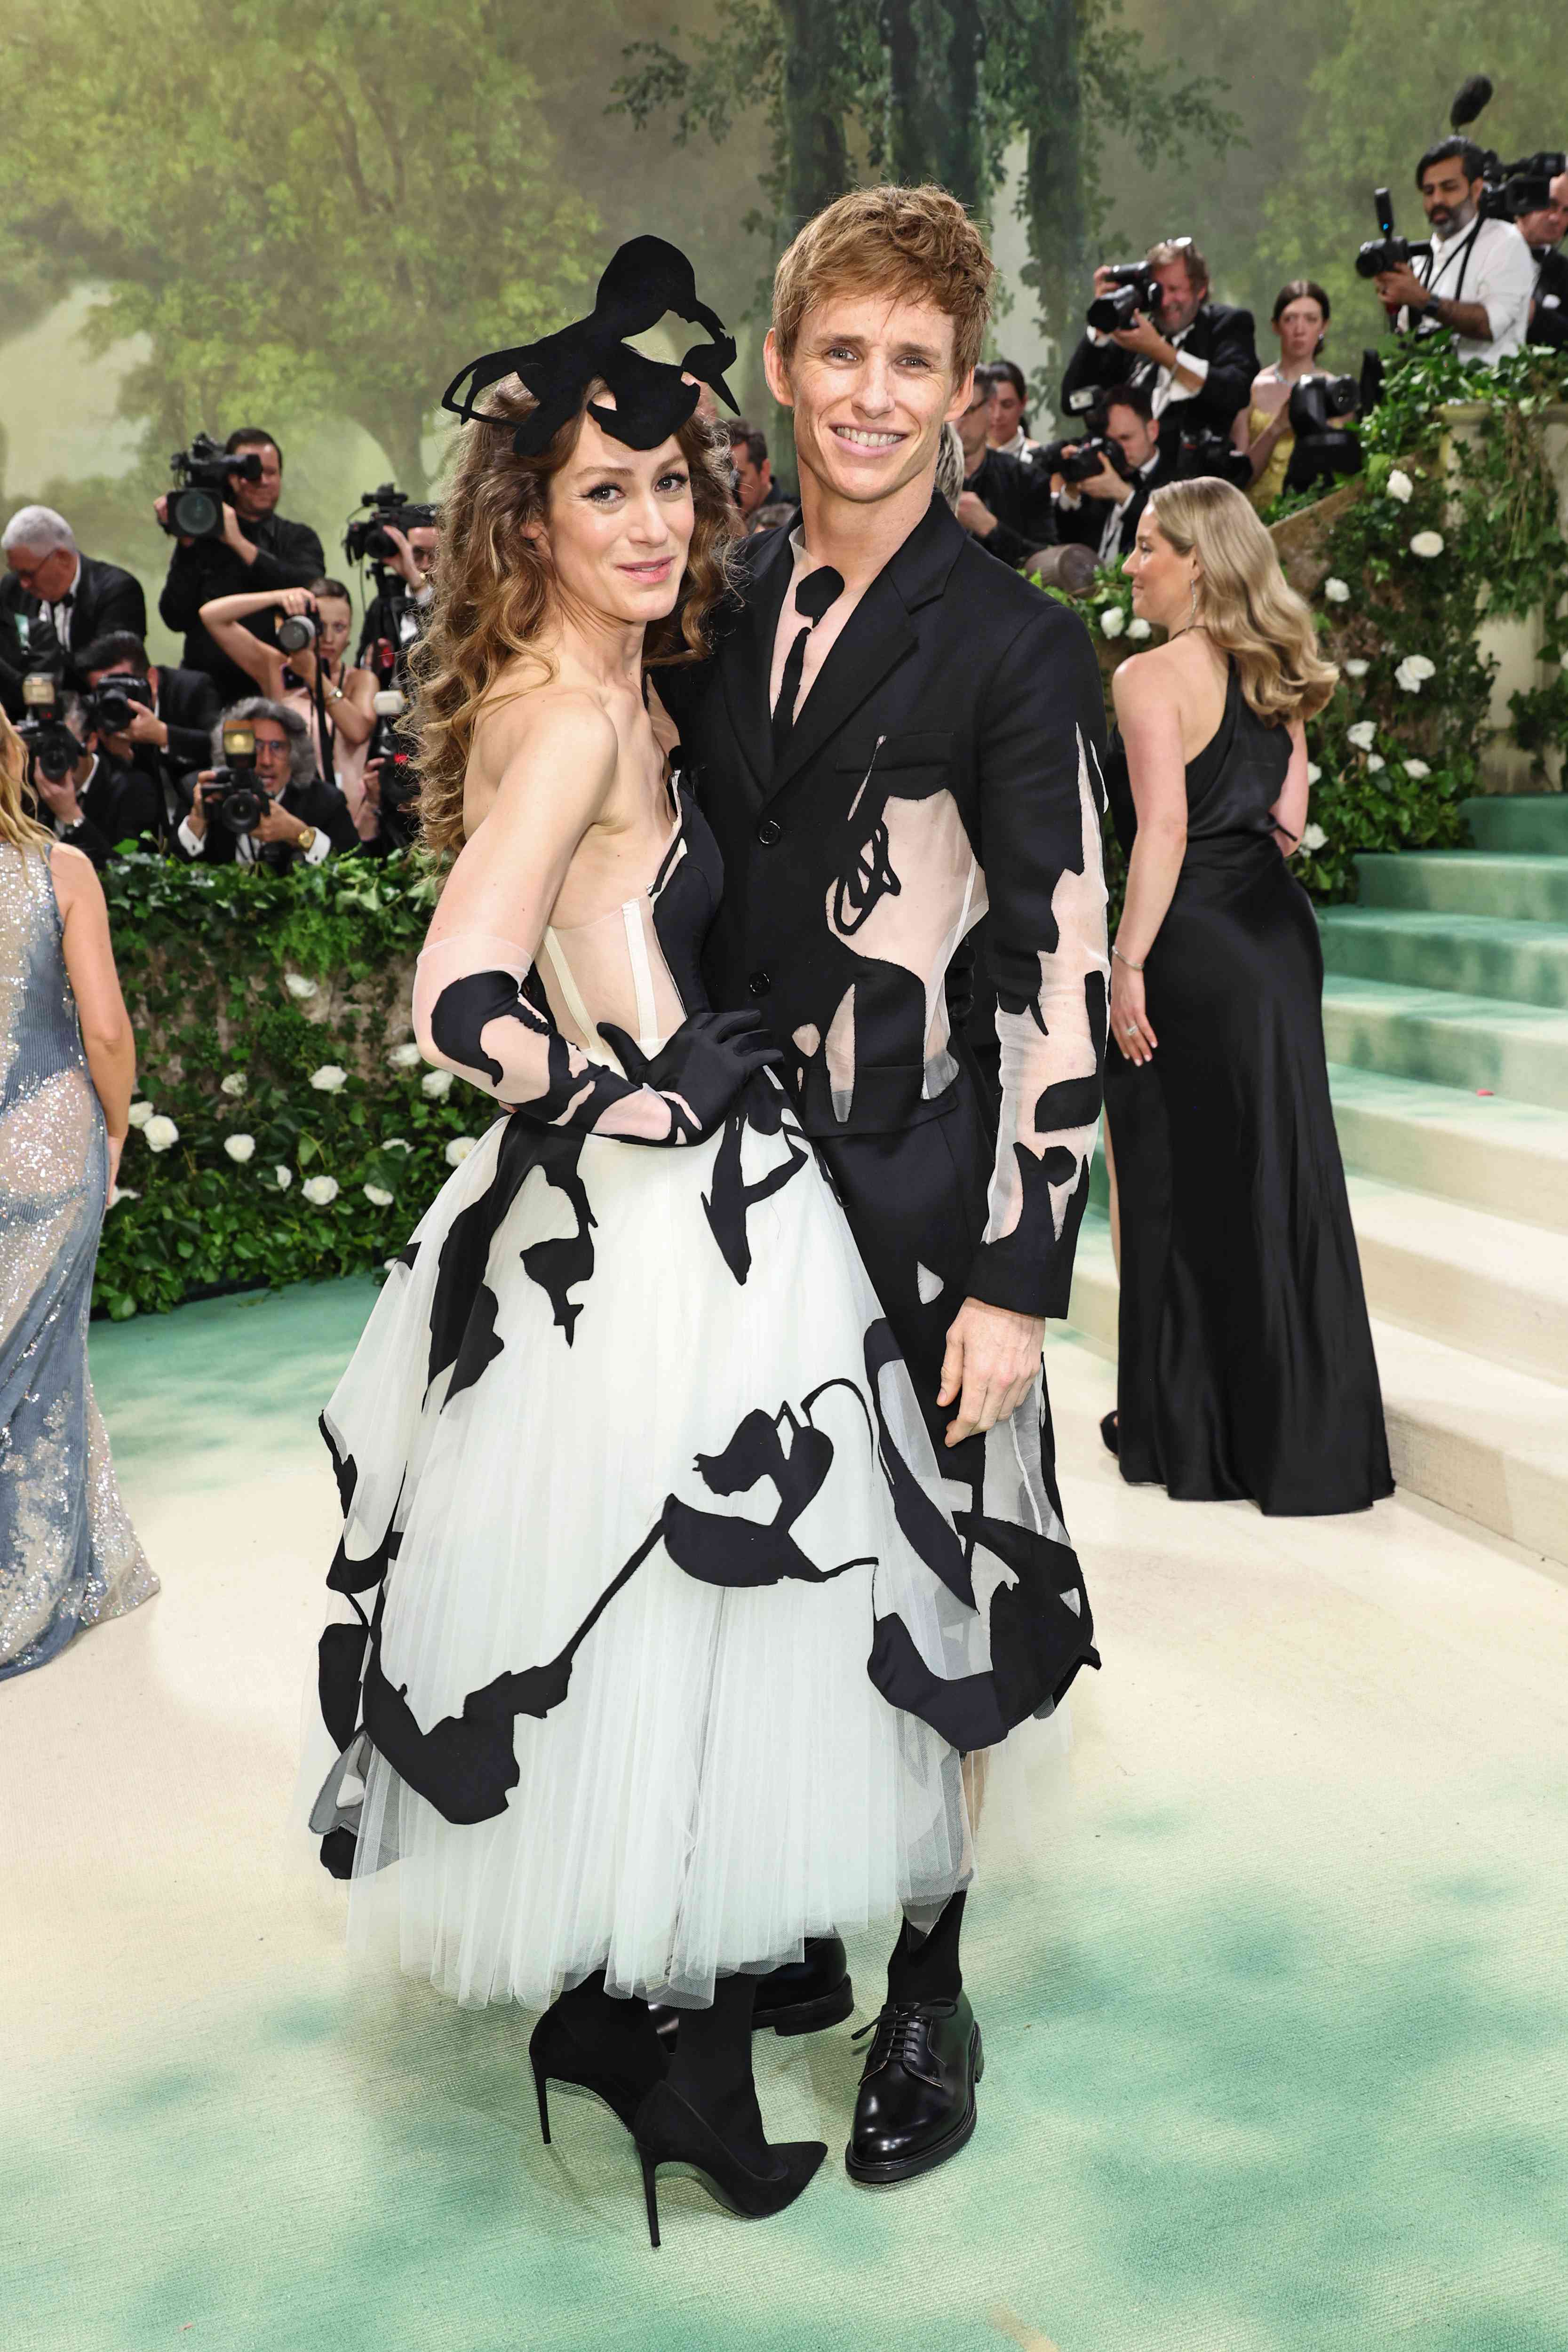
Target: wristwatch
{"points": [[307, 841]]}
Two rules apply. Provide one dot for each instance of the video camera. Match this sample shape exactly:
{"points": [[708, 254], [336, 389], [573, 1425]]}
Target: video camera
{"points": [[391, 745], [1137, 289], [44, 732], [366, 541], [1510, 189], [1389, 251], [1078, 460], [110, 708], [204, 475], [231, 793]]}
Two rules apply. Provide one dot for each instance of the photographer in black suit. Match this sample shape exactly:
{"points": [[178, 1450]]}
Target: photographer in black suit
{"points": [[305, 820], [257, 548], [1006, 501], [1102, 512], [172, 714], [1198, 357], [99, 804], [1543, 229], [51, 593]]}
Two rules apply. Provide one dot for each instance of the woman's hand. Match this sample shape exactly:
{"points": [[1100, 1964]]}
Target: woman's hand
{"points": [[295, 599], [116, 1146], [1129, 1014]]}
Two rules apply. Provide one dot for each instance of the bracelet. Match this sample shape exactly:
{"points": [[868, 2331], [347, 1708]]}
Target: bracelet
{"points": [[1116, 951]]}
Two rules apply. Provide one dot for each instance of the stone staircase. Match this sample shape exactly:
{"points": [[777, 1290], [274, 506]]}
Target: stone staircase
{"points": [[1445, 1016]]}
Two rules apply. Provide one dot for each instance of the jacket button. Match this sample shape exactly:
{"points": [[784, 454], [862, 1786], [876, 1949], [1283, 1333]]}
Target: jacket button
{"points": [[759, 983], [769, 831]]}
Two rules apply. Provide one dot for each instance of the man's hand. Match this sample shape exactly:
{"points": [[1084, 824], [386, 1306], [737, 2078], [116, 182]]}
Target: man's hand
{"points": [[1104, 281], [1106, 484], [277, 825], [990, 1365], [1145, 338], [372, 780], [1400, 289], [59, 798], [402, 561], [196, 816], [975, 515], [161, 508], [233, 537], [145, 726]]}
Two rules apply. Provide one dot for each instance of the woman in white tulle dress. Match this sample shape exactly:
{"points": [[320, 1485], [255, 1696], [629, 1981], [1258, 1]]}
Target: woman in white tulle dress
{"points": [[631, 1469]]}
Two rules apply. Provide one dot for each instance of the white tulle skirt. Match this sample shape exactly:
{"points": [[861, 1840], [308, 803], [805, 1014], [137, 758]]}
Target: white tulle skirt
{"points": [[721, 1779]]}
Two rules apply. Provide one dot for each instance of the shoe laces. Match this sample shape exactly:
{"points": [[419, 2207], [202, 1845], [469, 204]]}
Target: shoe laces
{"points": [[903, 2031]]}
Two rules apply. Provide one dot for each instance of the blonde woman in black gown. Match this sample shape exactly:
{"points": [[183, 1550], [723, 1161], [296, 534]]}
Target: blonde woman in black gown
{"points": [[1246, 1358]]}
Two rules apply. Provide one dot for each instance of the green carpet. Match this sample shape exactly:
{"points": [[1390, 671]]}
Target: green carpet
{"points": [[1276, 2031]]}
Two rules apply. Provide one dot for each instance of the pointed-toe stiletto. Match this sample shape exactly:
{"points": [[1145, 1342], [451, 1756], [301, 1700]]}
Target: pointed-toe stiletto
{"points": [[622, 2076], [669, 2130]]}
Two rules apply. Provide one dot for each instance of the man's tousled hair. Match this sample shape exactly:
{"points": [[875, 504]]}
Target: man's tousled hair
{"points": [[913, 244]]}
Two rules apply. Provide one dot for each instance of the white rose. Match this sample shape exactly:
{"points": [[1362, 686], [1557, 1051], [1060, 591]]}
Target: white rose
{"points": [[1112, 620], [396, 1143], [285, 1178], [458, 1149], [1313, 771], [1337, 590], [1413, 672], [1314, 837], [240, 1148], [1427, 543], [436, 1084], [297, 985], [1139, 627], [159, 1132], [1355, 669], [1374, 764], [122, 1192], [139, 1113], [1401, 487], [378, 1196], [1417, 768], [320, 1191], [232, 1085], [327, 1079], [405, 1057], [1363, 734]]}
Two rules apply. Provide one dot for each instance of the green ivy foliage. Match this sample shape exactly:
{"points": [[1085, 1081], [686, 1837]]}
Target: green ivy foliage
{"points": [[228, 1050]]}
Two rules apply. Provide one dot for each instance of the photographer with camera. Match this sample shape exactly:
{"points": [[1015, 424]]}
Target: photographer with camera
{"points": [[1473, 282], [231, 539], [154, 720], [86, 797], [54, 598], [304, 668], [1005, 502], [400, 540], [1101, 485], [754, 486], [1543, 227], [1153, 322], [262, 802]]}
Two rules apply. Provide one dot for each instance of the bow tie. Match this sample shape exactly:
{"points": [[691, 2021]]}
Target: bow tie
{"points": [[817, 592]]}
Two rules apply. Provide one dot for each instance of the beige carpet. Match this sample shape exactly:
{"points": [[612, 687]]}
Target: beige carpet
{"points": [[1275, 2026]]}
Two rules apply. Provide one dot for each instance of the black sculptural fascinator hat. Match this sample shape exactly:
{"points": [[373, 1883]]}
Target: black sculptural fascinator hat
{"points": [[643, 280]]}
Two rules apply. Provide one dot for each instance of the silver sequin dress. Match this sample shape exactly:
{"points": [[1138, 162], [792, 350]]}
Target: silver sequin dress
{"points": [[68, 1555]]}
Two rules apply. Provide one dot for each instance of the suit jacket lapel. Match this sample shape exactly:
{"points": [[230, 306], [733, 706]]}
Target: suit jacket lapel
{"points": [[745, 659]]}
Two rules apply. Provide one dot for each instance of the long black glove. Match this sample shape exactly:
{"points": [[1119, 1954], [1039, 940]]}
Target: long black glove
{"points": [[709, 1060]]}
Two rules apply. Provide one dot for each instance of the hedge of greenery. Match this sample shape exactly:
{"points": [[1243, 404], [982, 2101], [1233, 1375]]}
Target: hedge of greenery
{"points": [[285, 1126], [1440, 532]]}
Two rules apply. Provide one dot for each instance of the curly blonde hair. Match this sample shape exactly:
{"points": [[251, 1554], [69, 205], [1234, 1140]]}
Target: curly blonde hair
{"points": [[16, 827], [495, 587], [1244, 600]]}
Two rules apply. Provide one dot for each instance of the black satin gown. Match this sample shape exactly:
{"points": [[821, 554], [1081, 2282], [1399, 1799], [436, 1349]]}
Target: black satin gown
{"points": [[1247, 1365]]}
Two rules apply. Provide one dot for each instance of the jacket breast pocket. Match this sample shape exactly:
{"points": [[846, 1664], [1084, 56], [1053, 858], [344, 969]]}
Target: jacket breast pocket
{"points": [[911, 763]]}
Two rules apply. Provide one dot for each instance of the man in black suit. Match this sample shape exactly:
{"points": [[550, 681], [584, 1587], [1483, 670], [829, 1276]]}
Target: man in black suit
{"points": [[1198, 357], [172, 714], [258, 549], [98, 805], [893, 732], [1102, 512], [306, 820], [51, 593], [1006, 501], [1544, 229]]}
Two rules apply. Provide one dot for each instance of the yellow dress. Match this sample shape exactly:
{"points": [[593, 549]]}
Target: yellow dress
{"points": [[1271, 481]]}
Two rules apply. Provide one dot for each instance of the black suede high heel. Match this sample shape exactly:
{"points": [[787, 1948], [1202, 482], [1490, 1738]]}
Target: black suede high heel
{"points": [[669, 2130], [618, 2070]]}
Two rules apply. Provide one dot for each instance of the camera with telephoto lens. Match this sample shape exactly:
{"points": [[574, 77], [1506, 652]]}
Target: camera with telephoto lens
{"points": [[231, 793], [366, 541], [295, 631], [1136, 290], [1323, 446], [1202, 452], [1080, 460], [204, 474], [48, 739], [1389, 251], [1508, 189], [110, 708]]}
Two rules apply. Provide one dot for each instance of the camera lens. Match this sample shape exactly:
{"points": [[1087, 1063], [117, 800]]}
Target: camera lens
{"points": [[295, 632], [195, 514]]}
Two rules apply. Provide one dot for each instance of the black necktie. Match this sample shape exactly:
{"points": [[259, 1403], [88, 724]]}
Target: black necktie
{"points": [[817, 592]]}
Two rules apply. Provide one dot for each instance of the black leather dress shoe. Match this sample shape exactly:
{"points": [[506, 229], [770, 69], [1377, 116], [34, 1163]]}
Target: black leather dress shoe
{"points": [[802, 1997], [916, 2104]]}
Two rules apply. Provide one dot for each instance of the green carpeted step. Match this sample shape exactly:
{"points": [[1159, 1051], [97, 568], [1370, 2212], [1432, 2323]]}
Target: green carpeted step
{"points": [[1519, 821], [1486, 1150], [1448, 1039], [1469, 955], [1527, 888]]}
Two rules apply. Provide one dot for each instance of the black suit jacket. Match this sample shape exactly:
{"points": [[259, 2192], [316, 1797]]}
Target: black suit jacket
{"points": [[106, 598], [1018, 493], [1220, 333], [958, 718], [1548, 318], [316, 803], [288, 555]]}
